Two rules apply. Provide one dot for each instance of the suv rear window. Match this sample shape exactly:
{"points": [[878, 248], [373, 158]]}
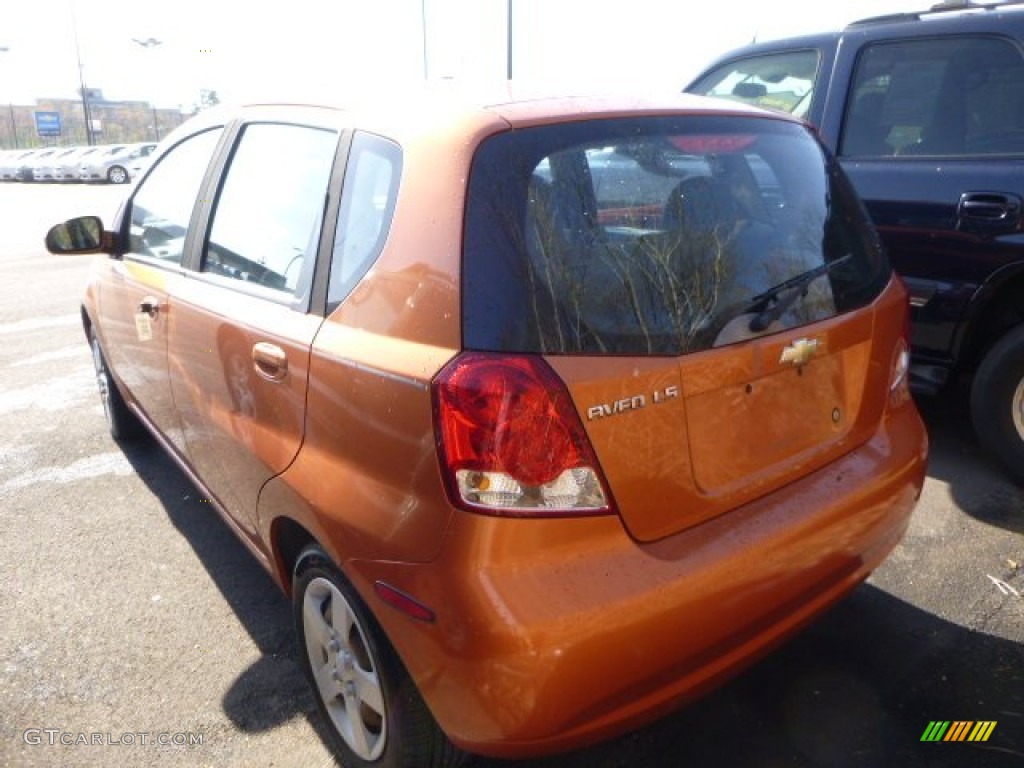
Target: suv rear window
{"points": [[647, 236]]}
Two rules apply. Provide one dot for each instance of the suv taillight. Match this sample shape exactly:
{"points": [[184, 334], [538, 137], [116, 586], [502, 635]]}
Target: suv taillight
{"points": [[511, 442], [899, 372]]}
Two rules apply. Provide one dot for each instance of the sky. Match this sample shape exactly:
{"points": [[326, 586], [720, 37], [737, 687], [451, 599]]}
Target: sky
{"points": [[303, 50]]}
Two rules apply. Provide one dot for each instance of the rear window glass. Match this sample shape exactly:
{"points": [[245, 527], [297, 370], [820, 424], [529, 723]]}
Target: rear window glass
{"points": [[651, 236]]}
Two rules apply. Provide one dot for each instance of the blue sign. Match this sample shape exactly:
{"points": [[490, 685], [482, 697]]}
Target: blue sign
{"points": [[48, 123]]}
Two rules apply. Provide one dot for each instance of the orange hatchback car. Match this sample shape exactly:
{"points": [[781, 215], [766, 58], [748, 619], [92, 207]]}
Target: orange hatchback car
{"points": [[510, 393]]}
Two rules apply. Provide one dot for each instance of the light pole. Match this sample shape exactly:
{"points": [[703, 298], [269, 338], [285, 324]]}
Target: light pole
{"points": [[81, 81], [10, 108], [423, 30], [508, 44], [148, 43]]}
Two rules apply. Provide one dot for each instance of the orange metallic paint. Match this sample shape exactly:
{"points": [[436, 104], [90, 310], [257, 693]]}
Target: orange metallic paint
{"points": [[509, 666], [139, 360], [368, 471], [733, 531], [535, 618], [241, 427], [743, 425]]}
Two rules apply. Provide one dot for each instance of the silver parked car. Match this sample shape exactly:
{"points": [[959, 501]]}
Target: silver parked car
{"points": [[48, 168], [8, 160], [29, 163], [112, 166], [68, 167], [11, 162]]}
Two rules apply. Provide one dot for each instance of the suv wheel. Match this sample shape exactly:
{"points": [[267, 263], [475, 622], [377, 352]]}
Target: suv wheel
{"points": [[374, 713], [997, 402]]}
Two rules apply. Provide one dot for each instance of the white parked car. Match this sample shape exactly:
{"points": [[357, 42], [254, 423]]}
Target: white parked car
{"points": [[67, 167], [113, 165], [48, 169]]}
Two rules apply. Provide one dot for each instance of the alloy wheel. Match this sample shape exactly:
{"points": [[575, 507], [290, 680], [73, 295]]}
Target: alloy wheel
{"points": [[102, 379], [344, 669]]}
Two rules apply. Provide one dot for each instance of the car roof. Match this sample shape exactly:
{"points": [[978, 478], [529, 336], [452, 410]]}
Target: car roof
{"points": [[422, 109]]}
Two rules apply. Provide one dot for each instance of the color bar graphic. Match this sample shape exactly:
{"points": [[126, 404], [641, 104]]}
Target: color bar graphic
{"points": [[982, 730], [958, 730], [935, 731]]}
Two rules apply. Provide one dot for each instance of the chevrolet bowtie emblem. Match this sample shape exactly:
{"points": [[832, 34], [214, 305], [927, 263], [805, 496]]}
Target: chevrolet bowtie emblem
{"points": [[799, 352]]}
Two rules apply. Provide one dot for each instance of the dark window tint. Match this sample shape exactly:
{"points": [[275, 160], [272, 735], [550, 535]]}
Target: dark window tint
{"points": [[266, 224], [780, 81], [943, 96], [649, 236], [367, 205], [162, 207]]}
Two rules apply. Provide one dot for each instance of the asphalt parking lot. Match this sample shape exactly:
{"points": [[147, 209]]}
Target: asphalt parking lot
{"points": [[135, 630]]}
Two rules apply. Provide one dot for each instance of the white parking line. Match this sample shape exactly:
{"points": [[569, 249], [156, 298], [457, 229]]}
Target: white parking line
{"points": [[64, 353], [53, 395], [113, 463], [37, 323]]}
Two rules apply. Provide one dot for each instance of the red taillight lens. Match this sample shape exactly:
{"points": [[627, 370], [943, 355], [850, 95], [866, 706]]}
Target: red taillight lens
{"points": [[713, 144], [511, 440], [505, 418]]}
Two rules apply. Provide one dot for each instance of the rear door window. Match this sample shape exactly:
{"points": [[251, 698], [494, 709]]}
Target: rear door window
{"points": [[650, 236], [946, 97], [367, 206]]}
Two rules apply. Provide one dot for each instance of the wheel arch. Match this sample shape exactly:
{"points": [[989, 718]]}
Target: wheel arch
{"points": [[995, 308], [288, 541], [86, 321]]}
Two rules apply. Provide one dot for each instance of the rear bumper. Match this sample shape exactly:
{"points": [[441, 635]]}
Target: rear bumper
{"points": [[551, 634]]}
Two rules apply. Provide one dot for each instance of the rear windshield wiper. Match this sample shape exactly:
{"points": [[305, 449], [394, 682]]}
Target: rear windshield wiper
{"points": [[773, 303]]}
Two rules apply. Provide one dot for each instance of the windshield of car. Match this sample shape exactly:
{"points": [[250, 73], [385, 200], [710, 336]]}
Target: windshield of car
{"points": [[648, 236]]}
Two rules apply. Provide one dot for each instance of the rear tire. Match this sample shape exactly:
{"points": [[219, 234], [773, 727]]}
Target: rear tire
{"points": [[117, 175], [123, 424], [997, 403], [371, 707]]}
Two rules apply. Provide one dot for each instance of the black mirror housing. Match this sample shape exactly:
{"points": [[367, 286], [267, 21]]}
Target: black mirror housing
{"points": [[83, 234]]}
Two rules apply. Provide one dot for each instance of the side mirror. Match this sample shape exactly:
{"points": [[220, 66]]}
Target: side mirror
{"points": [[80, 235]]}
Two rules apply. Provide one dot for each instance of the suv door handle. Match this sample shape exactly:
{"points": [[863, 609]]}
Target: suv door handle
{"points": [[270, 360], [989, 210]]}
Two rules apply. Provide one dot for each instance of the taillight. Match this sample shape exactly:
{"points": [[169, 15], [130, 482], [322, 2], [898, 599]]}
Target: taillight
{"points": [[899, 372], [899, 379], [511, 441]]}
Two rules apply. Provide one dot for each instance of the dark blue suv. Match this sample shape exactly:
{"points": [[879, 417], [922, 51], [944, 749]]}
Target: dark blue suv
{"points": [[926, 114]]}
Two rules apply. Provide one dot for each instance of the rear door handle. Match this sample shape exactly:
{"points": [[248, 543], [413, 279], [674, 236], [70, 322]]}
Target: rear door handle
{"points": [[989, 211], [270, 361]]}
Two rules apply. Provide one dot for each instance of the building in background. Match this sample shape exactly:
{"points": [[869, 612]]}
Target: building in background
{"points": [[113, 122]]}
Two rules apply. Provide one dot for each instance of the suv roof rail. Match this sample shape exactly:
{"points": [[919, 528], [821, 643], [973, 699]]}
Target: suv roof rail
{"points": [[944, 7], [960, 5]]}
